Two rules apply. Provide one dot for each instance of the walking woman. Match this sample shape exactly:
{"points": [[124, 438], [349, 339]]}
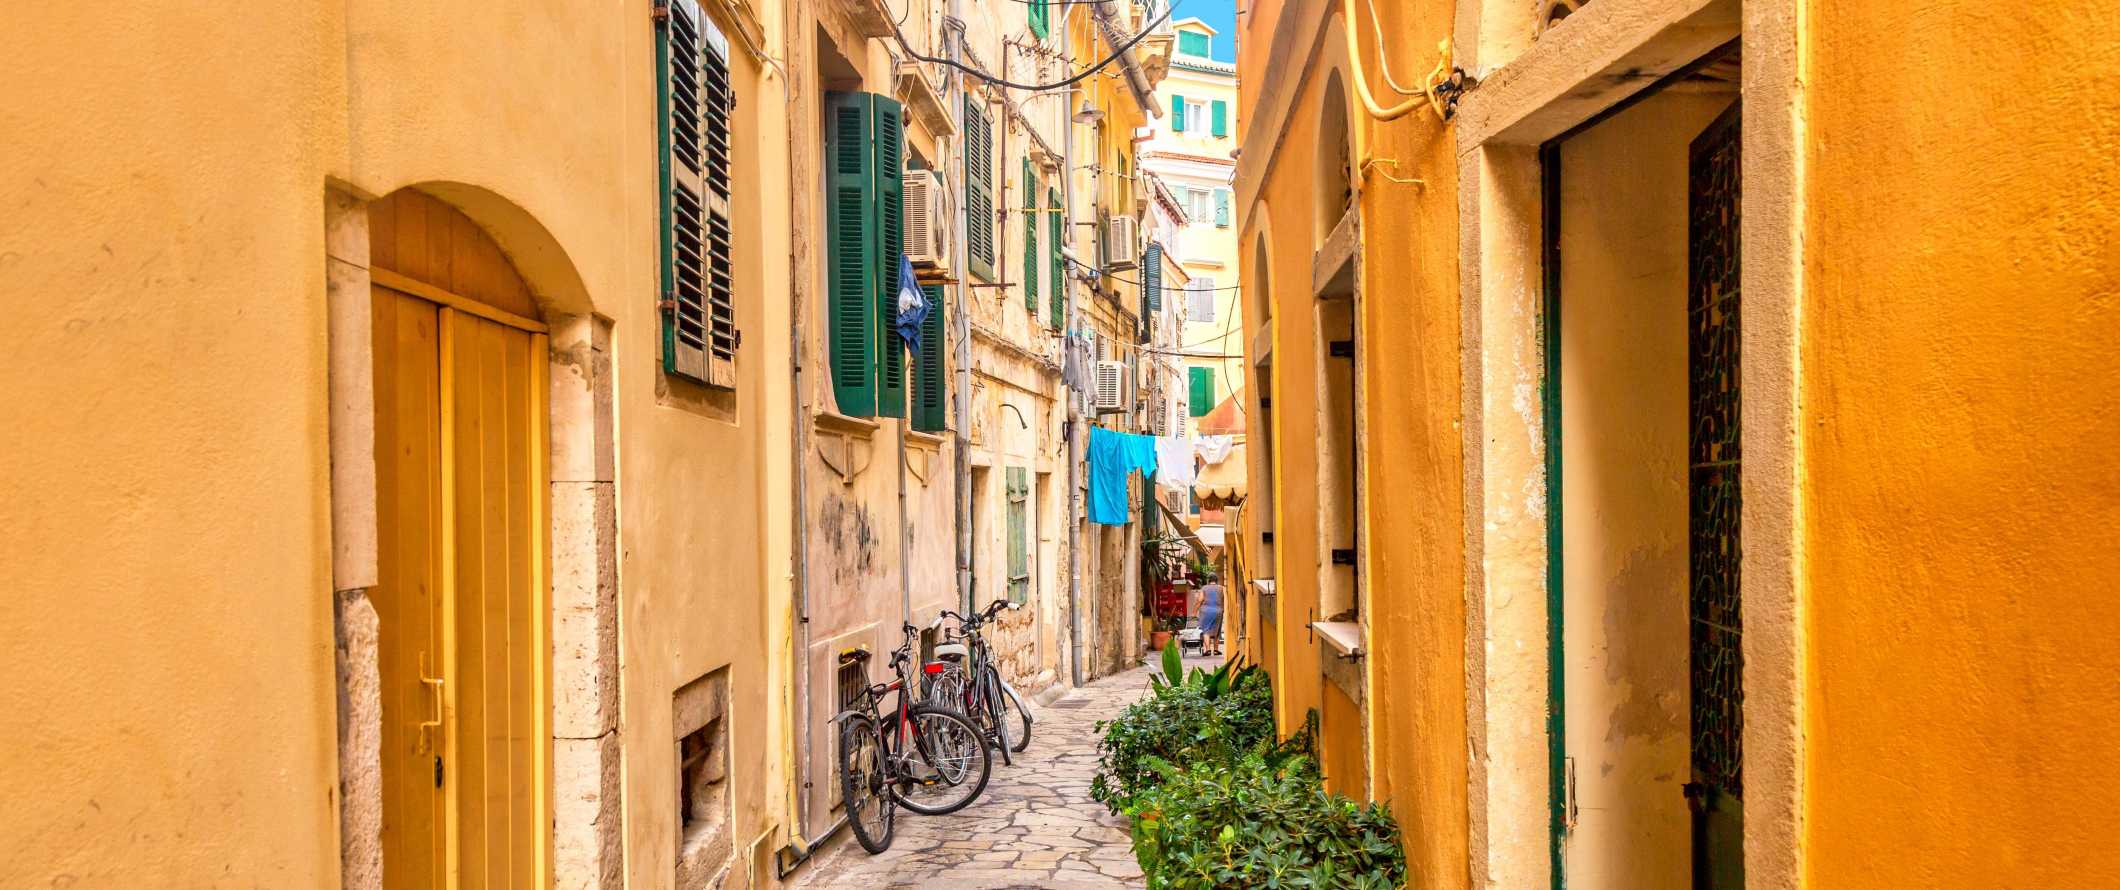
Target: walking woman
{"points": [[1211, 616]]}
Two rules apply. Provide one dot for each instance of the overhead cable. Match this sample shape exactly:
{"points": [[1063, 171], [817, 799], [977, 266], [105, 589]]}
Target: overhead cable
{"points": [[899, 34]]}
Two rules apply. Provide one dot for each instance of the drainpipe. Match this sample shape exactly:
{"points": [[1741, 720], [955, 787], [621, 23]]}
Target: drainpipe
{"points": [[1136, 79], [1075, 432], [961, 323]]}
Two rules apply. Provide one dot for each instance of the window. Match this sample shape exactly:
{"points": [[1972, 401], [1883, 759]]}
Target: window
{"points": [[1030, 238], [1200, 386], [699, 714], [1041, 18], [697, 101], [1220, 120], [1194, 43], [864, 209], [1197, 207], [931, 378], [1057, 217], [1200, 299], [1177, 113], [1195, 110], [1019, 560], [1221, 208], [978, 188]]}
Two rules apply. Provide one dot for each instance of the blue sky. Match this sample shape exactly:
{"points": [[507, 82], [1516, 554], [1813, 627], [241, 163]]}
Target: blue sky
{"points": [[1220, 15]]}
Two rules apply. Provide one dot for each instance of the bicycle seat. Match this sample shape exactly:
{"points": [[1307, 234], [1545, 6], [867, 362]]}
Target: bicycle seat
{"points": [[950, 650]]}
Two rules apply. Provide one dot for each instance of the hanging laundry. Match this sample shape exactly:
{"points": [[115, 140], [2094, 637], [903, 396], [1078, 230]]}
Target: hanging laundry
{"points": [[913, 306], [1174, 461], [1113, 458], [1214, 449]]}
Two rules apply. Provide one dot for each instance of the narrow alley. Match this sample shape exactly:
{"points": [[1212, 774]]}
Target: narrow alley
{"points": [[1035, 826]]}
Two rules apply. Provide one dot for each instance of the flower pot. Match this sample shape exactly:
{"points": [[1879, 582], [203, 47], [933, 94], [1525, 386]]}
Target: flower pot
{"points": [[1158, 640]]}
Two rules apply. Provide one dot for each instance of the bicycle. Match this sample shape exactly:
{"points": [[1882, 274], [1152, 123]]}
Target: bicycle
{"points": [[922, 756], [965, 675]]}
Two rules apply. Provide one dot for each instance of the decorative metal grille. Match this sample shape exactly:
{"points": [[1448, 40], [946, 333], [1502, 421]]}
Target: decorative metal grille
{"points": [[1714, 460]]}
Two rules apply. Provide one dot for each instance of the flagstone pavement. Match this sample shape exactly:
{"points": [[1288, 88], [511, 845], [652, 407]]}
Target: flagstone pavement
{"points": [[1035, 826]]}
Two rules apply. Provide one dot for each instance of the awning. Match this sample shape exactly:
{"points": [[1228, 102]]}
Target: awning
{"points": [[1224, 482]]}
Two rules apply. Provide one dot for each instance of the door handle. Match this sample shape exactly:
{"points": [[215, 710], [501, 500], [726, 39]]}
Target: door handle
{"points": [[434, 688]]}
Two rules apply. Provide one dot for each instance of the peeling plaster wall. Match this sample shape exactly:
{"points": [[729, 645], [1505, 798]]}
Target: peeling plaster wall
{"points": [[1961, 488], [1624, 490]]}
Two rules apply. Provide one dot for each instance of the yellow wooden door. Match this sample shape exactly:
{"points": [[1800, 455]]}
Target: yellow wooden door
{"points": [[460, 459]]}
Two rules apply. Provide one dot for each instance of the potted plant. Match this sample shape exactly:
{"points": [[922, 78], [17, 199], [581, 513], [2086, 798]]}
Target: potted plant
{"points": [[1166, 626]]}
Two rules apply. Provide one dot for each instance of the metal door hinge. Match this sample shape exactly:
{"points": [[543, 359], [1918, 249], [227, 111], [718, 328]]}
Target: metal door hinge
{"points": [[1340, 349], [1343, 556], [1569, 810], [662, 12], [437, 770]]}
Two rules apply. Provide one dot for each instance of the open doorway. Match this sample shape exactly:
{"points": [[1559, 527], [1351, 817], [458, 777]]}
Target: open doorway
{"points": [[1641, 267]]}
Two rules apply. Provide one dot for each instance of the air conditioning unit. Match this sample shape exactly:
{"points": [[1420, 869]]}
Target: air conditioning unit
{"points": [[1122, 244], [1108, 392], [927, 220]]}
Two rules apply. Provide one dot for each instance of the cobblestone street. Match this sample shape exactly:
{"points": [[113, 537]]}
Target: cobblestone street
{"points": [[1035, 826]]}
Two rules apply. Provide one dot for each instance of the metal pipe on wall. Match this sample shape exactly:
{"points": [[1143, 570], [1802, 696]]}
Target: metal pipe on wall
{"points": [[961, 324]]}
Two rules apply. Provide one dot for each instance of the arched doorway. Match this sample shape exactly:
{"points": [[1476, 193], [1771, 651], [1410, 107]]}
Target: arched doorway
{"points": [[460, 365]]}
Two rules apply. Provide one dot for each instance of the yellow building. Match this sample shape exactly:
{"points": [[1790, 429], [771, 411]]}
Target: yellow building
{"points": [[1615, 555], [363, 356]]}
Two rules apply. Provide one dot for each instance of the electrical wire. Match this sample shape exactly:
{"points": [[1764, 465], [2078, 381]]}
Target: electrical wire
{"points": [[1383, 58], [899, 34]]}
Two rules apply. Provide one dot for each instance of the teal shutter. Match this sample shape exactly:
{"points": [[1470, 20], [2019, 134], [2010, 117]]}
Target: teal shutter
{"points": [[931, 397], [1152, 278], [850, 252], [1221, 117], [1019, 562], [1030, 239], [1221, 208], [1058, 216], [696, 104], [887, 129], [1177, 113], [1202, 394], [1041, 18], [978, 189], [1194, 43]]}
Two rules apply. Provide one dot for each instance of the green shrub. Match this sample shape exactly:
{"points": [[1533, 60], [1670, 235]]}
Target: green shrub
{"points": [[1250, 823], [1212, 715]]}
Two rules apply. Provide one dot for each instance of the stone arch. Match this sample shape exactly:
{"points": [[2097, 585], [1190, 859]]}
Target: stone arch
{"points": [[1333, 183]]}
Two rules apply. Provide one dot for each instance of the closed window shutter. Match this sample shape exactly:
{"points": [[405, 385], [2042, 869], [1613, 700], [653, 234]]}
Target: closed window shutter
{"points": [[1152, 278], [887, 132], [1019, 562], [1041, 18], [1221, 118], [1177, 113], [1030, 239], [1058, 216], [930, 371], [850, 249], [697, 102], [979, 189], [1221, 208], [1202, 395]]}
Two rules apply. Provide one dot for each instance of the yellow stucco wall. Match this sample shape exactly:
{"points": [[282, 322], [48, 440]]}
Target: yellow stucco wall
{"points": [[1411, 465], [1961, 483], [167, 506]]}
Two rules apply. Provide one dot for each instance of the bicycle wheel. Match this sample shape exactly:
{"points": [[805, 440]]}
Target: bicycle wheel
{"points": [[997, 715], [946, 766], [1017, 717], [863, 784]]}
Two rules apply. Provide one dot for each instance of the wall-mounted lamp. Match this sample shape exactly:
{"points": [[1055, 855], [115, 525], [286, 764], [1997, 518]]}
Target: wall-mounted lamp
{"points": [[1089, 114]]}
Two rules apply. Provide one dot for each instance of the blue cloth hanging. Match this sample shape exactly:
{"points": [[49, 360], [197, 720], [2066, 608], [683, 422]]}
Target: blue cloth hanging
{"points": [[913, 306], [1113, 458]]}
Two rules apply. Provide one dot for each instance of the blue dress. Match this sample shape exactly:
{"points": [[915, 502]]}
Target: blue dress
{"points": [[1211, 609]]}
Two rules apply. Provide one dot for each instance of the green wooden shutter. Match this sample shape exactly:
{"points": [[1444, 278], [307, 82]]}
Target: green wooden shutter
{"points": [[1194, 43], [931, 399], [1152, 278], [1058, 216], [1019, 562], [1177, 113], [1221, 118], [1041, 18], [850, 252], [1221, 208], [1202, 394], [887, 130], [978, 189], [696, 104], [1030, 239]]}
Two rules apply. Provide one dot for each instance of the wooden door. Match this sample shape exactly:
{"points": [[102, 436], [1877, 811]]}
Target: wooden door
{"points": [[461, 488]]}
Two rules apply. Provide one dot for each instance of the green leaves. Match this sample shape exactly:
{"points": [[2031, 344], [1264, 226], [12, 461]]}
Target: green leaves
{"points": [[1173, 669], [1218, 800]]}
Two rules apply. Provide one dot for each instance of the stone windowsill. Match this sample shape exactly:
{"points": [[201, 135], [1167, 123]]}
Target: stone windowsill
{"points": [[1345, 636]]}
